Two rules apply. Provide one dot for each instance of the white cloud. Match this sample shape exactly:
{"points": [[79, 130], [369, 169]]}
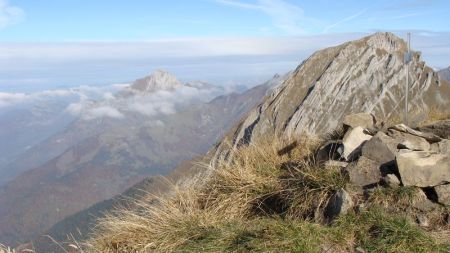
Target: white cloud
{"points": [[8, 99], [10, 15], [81, 94], [285, 16], [103, 111]]}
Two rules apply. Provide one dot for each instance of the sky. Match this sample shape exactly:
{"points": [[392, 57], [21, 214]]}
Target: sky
{"points": [[49, 44]]}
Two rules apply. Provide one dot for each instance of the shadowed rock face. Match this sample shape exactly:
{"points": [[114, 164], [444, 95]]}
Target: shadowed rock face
{"points": [[366, 75]]}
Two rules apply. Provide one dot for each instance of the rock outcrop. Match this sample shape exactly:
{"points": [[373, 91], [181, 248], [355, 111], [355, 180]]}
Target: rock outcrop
{"points": [[366, 75]]}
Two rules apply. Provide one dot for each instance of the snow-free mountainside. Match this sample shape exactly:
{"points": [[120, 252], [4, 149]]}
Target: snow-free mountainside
{"points": [[314, 161]]}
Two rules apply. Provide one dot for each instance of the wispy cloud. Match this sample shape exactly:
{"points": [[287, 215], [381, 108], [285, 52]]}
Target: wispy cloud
{"points": [[344, 20], [285, 16], [9, 14]]}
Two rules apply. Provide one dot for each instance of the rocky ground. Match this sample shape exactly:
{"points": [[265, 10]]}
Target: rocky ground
{"points": [[397, 157]]}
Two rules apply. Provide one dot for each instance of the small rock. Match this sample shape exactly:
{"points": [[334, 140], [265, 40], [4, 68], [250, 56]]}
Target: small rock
{"points": [[352, 142], [339, 204], [364, 120], [443, 193], [423, 221], [391, 180], [381, 148], [364, 172], [427, 136], [444, 147], [409, 141], [329, 151], [423, 169], [359, 250], [439, 128], [422, 203], [333, 163], [361, 208]]}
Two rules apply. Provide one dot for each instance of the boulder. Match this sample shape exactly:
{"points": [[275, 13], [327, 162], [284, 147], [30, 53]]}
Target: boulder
{"points": [[364, 172], [409, 141], [364, 120], [381, 148], [339, 204], [439, 128], [427, 136], [423, 169], [352, 142], [443, 193], [391, 180]]}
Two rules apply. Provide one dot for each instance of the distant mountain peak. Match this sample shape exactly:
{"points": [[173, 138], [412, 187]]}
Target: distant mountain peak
{"points": [[159, 80], [444, 74]]}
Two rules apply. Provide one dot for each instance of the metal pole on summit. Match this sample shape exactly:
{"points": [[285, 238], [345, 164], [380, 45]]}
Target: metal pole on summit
{"points": [[407, 60]]}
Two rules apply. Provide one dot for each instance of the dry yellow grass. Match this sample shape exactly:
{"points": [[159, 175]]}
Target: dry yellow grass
{"points": [[266, 199]]}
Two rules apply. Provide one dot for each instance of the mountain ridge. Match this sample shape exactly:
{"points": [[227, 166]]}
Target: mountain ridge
{"points": [[366, 75]]}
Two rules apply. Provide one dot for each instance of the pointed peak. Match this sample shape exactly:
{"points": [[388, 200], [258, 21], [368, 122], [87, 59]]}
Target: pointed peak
{"points": [[158, 80]]}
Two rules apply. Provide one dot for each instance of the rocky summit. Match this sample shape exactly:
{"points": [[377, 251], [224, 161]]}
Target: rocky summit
{"points": [[159, 80], [366, 75]]}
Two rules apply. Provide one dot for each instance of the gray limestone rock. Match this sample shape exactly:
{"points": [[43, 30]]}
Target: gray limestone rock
{"points": [[352, 142], [364, 120], [443, 193], [339, 204], [423, 169], [364, 172]]}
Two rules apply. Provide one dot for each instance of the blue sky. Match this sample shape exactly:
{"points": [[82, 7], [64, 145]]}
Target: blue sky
{"points": [[51, 43]]}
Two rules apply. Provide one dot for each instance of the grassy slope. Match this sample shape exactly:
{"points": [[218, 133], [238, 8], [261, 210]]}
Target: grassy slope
{"points": [[264, 202]]}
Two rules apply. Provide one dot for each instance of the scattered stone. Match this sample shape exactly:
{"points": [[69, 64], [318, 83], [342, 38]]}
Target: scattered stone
{"points": [[423, 169], [439, 128], [333, 163], [352, 142], [444, 147], [364, 120], [329, 151], [381, 148], [435, 148], [423, 221], [443, 193], [364, 172], [361, 208], [422, 203], [339, 204], [391, 180], [409, 141], [427, 136]]}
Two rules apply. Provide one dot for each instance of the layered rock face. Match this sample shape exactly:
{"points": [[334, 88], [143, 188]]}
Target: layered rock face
{"points": [[366, 75]]}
